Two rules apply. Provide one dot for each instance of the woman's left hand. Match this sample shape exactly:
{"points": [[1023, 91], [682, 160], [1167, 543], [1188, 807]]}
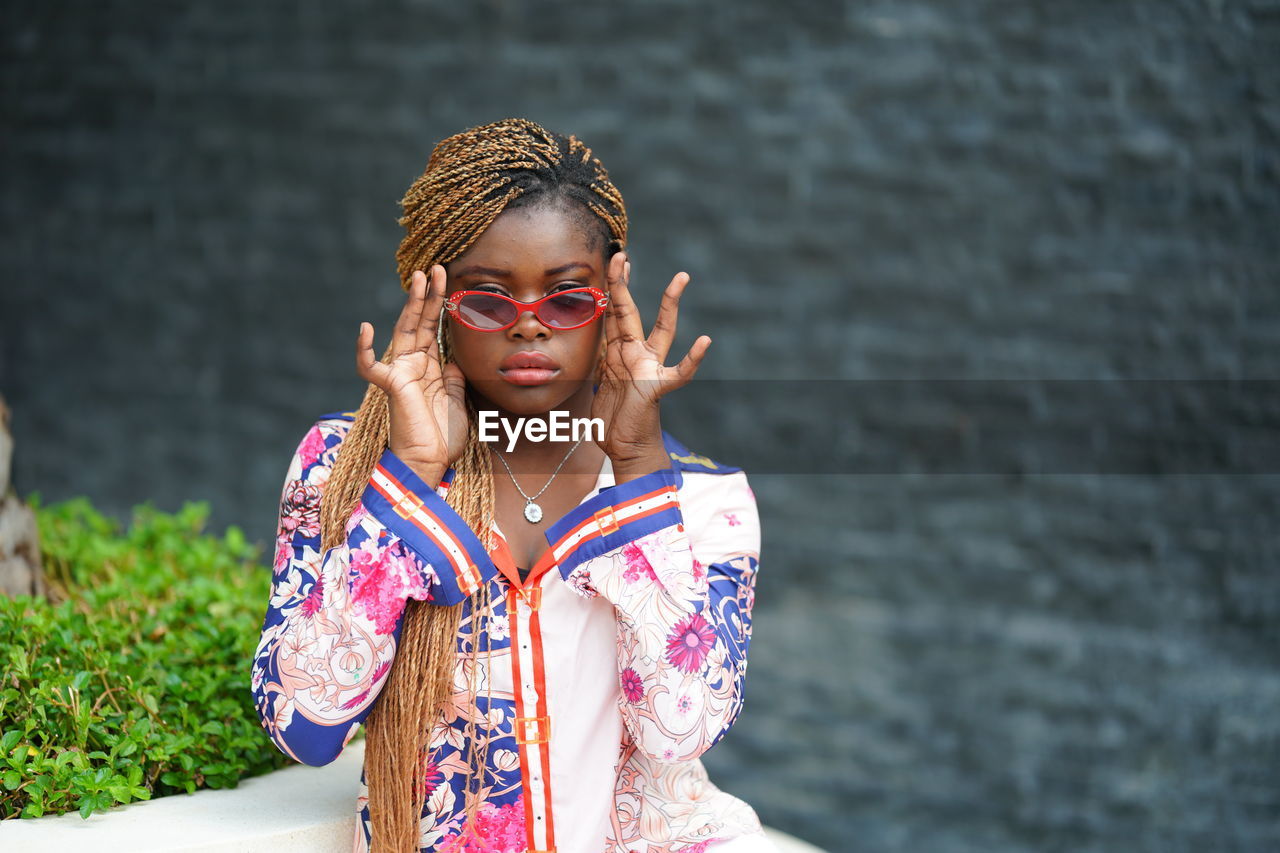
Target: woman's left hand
{"points": [[633, 378]]}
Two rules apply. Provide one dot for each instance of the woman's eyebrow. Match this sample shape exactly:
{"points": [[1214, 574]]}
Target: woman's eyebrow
{"points": [[478, 270], [572, 266], [493, 271]]}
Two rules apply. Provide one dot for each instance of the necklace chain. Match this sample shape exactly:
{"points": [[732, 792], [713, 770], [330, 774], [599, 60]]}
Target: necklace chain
{"points": [[533, 512]]}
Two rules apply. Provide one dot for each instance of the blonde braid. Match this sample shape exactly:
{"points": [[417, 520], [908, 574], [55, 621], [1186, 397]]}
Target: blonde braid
{"points": [[470, 179]]}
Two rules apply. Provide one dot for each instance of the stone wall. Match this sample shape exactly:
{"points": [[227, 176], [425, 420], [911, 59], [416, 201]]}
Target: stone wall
{"points": [[199, 208]]}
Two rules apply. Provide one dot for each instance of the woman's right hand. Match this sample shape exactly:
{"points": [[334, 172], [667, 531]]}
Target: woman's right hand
{"points": [[427, 404]]}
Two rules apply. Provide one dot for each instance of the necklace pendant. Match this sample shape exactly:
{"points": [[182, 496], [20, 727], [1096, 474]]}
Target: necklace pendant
{"points": [[532, 512]]}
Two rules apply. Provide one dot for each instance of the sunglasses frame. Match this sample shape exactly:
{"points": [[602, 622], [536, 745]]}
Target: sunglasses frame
{"points": [[601, 299]]}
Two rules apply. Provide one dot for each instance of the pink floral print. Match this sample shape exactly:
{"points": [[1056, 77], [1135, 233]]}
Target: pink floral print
{"points": [[638, 565], [284, 552], [497, 829], [312, 447], [315, 598], [579, 581], [358, 699], [432, 776], [300, 509], [384, 579], [690, 643], [632, 686], [700, 847]]}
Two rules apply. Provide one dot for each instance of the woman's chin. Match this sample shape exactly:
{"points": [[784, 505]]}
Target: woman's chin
{"points": [[525, 400]]}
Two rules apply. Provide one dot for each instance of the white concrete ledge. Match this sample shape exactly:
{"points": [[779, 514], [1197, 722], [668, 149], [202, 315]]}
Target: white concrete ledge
{"points": [[298, 809]]}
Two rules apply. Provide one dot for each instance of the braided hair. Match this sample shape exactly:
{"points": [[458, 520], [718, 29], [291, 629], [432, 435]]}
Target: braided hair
{"points": [[470, 179]]}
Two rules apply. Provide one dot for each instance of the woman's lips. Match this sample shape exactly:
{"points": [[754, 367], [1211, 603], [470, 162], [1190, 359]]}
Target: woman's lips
{"points": [[529, 367], [527, 375]]}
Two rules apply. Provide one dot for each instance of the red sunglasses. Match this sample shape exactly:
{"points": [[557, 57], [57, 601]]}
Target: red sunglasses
{"points": [[486, 311]]}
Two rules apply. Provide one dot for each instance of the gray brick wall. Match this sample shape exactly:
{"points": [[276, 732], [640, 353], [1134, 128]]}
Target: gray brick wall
{"points": [[199, 207]]}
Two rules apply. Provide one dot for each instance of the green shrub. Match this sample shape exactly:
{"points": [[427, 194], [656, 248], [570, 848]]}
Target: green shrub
{"points": [[134, 685]]}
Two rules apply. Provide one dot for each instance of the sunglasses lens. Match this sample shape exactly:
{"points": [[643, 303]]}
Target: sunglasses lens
{"points": [[483, 311], [571, 308]]}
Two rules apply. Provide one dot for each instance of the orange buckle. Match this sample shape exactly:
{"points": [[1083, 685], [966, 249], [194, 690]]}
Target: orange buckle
{"points": [[606, 521], [533, 729], [469, 579], [409, 500], [532, 597]]}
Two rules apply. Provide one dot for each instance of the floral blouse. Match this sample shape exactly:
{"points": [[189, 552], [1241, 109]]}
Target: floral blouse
{"points": [[602, 677]]}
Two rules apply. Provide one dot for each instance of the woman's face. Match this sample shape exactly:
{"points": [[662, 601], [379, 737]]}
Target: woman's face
{"points": [[526, 254]]}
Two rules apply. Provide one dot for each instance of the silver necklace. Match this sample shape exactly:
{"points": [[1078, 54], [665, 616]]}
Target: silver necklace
{"points": [[533, 512]]}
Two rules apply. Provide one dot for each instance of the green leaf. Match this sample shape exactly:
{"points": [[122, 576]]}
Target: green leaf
{"points": [[159, 619], [10, 740], [235, 539], [18, 660]]}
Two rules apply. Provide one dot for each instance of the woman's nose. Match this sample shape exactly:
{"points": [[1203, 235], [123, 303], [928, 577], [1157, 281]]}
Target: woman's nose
{"points": [[528, 327]]}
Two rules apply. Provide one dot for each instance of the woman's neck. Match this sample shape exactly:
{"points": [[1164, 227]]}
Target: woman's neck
{"points": [[518, 443]]}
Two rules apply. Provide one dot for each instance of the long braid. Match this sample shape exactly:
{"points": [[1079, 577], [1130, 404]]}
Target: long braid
{"points": [[470, 179]]}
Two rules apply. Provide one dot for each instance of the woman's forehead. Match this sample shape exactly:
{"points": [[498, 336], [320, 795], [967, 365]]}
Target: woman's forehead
{"points": [[544, 237]]}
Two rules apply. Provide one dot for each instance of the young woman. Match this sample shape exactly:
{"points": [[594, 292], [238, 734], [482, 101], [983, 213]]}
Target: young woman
{"points": [[540, 636]]}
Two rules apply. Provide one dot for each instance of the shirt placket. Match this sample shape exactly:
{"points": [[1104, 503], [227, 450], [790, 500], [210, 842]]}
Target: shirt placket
{"points": [[533, 722]]}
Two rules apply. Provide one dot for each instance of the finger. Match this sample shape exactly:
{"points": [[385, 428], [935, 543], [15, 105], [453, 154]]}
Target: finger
{"points": [[688, 365], [617, 265], [367, 364], [622, 318], [664, 328], [404, 338], [430, 319], [455, 387]]}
